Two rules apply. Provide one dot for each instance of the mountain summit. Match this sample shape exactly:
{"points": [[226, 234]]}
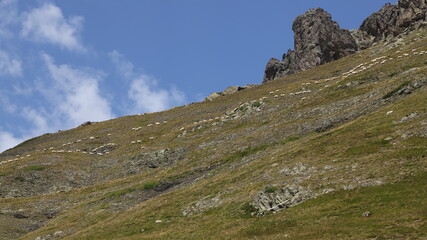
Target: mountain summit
{"points": [[319, 40]]}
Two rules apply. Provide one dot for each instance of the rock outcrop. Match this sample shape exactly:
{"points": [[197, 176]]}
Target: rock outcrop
{"points": [[394, 19], [228, 91], [319, 40], [273, 200]]}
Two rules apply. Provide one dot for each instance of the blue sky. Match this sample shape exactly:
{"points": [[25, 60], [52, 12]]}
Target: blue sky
{"points": [[66, 62]]}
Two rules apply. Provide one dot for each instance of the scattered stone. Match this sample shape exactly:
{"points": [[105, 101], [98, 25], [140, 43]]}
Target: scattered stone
{"points": [[366, 214], [282, 198], [153, 159], [201, 206], [409, 117], [298, 169]]}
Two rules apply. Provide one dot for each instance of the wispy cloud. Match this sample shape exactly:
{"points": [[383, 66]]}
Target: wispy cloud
{"points": [[147, 98], [7, 140], [48, 24], [9, 66], [8, 16], [6, 104], [40, 124], [143, 90], [79, 93], [71, 96]]}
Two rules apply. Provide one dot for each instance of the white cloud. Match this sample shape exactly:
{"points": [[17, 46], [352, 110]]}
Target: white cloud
{"points": [[71, 98], [143, 91], [7, 140], [123, 66], [39, 123], [9, 66], [6, 104], [48, 24], [39, 120], [148, 99], [8, 16], [78, 92]]}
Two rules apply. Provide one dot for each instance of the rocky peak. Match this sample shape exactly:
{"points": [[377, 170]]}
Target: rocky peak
{"points": [[394, 19], [317, 40]]}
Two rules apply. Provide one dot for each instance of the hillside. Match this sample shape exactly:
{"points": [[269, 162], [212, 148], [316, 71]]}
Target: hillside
{"points": [[337, 151]]}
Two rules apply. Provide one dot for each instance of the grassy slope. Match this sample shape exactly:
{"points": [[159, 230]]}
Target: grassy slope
{"points": [[241, 157]]}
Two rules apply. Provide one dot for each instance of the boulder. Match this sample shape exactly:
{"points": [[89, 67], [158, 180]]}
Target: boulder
{"points": [[275, 69], [212, 96]]}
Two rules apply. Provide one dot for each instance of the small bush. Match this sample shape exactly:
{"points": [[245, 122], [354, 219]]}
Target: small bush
{"points": [[256, 104], [271, 189], [243, 109], [247, 210], [35, 168], [150, 185], [393, 74], [20, 179]]}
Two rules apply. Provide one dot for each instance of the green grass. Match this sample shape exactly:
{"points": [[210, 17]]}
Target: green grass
{"points": [[243, 108], [256, 104], [3, 174], [270, 189], [35, 168], [397, 210], [367, 148], [121, 192], [241, 154], [150, 185]]}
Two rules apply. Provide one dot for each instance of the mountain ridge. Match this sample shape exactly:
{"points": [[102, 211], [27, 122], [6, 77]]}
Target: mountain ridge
{"points": [[336, 151]]}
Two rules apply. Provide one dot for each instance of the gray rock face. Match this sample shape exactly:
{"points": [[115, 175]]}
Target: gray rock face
{"points": [[394, 19], [276, 69], [318, 40], [382, 22], [362, 38]]}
